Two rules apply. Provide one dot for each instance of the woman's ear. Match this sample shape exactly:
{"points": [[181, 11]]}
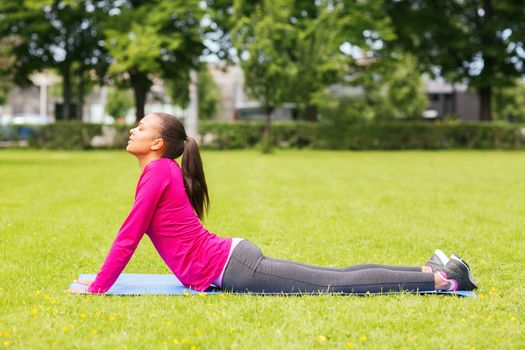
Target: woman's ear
{"points": [[157, 144]]}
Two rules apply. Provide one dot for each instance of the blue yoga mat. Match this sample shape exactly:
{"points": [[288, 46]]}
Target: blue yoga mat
{"points": [[139, 284]]}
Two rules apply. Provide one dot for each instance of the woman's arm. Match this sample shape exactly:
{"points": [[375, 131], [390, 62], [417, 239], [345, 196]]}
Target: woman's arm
{"points": [[152, 183]]}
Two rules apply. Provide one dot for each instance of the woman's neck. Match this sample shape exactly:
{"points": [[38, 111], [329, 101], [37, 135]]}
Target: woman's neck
{"points": [[145, 160]]}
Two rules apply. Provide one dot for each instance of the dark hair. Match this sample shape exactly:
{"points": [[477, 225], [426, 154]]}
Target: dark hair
{"points": [[177, 143]]}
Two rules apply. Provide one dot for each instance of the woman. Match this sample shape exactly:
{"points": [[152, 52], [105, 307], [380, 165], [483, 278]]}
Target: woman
{"points": [[170, 200]]}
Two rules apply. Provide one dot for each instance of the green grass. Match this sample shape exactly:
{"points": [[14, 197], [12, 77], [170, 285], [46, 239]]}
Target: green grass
{"points": [[60, 211]]}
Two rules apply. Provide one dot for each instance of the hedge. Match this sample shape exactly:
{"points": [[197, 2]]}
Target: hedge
{"points": [[386, 136], [60, 135], [235, 135]]}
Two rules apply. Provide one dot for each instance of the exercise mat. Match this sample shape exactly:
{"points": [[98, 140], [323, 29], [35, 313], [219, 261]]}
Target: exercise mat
{"points": [[166, 284]]}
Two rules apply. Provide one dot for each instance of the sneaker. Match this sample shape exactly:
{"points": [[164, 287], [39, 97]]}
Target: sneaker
{"points": [[438, 260], [457, 257], [458, 270]]}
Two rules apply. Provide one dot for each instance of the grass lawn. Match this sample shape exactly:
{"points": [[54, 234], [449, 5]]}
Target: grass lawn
{"points": [[60, 211]]}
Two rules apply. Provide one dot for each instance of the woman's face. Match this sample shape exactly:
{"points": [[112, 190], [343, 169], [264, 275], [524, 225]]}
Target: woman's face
{"points": [[145, 138]]}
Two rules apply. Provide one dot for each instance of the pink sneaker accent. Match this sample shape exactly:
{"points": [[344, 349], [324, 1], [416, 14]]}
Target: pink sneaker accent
{"points": [[453, 283]]}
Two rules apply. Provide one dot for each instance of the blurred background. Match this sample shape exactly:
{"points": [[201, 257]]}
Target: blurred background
{"points": [[357, 74]]}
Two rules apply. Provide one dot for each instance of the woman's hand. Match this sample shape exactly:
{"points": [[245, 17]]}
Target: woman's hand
{"points": [[85, 282]]}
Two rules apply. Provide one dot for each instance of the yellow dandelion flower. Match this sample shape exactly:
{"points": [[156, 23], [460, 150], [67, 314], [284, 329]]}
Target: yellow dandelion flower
{"points": [[472, 348], [55, 310], [193, 347], [6, 334], [6, 343], [513, 318], [363, 338], [350, 345], [34, 310], [97, 313], [462, 320], [83, 315], [65, 329], [175, 341], [197, 332], [111, 318], [37, 293], [185, 339], [168, 323], [321, 338], [93, 331], [481, 296]]}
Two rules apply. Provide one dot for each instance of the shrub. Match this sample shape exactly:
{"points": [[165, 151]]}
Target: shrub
{"points": [[64, 135], [364, 136]]}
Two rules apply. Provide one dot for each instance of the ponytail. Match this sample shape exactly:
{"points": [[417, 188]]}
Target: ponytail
{"points": [[194, 180], [179, 144]]}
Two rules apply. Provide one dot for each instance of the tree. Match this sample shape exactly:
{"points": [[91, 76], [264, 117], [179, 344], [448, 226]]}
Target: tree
{"points": [[119, 102], [7, 61], [153, 38], [208, 94], [63, 35], [405, 95], [309, 49], [264, 39], [509, 103], [479, 42]]}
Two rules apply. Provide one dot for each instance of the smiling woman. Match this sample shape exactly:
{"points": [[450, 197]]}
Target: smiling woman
{"points": [[170, 202]]}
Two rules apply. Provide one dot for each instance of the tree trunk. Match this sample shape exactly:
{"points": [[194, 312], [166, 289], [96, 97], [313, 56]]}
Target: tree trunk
{"points": [[267, 142], [485, 97], [268, 122], [66, 91], [488, 40], [141, 85], [80, 97]]}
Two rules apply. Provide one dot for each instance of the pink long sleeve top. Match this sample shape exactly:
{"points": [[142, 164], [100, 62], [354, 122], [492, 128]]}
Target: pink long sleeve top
{"points": [[163, 211]]}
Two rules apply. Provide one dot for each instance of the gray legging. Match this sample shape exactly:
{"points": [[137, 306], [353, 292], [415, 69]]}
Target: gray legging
{"points": [[248, 270]]}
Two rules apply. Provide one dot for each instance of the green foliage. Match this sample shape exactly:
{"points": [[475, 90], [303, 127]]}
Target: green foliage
{"points": [[478, 42], [509, 103], [405, 95], [390, 90], [7, 61], [63, 35], [149, 39], [342, 110], [64, 135], [208, 94], [263, 39], [364, 136], [119, 102]]}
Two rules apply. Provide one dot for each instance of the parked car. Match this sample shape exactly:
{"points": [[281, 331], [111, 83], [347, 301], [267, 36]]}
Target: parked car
{"points": [[30, 119], [21, 126]]}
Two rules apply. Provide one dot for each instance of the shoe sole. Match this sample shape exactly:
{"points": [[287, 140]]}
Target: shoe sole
{"points": [[442, 256], [464, 263]]}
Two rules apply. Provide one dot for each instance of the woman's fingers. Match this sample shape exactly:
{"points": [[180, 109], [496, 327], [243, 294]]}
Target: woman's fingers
{"points": [[83, 281], [76, 291]]}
